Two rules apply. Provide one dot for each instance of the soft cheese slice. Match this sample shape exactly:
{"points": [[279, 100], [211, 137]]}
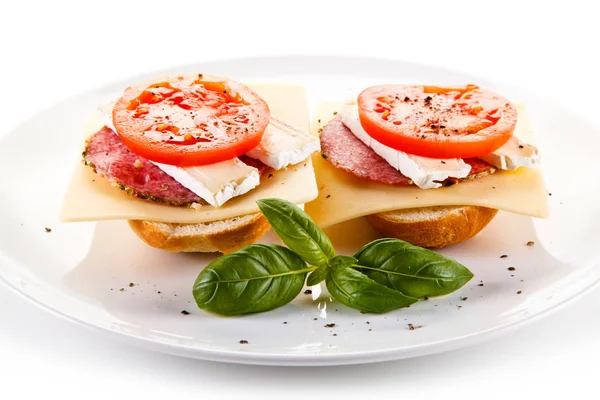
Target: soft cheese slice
{"points": [[514, 154], [215, 183], [343, 197], [426, 173], [284, 145], [91, 198]]}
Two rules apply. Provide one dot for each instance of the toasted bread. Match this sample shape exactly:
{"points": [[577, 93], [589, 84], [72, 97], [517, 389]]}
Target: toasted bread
{"points": [[223, 236], [434, 227]]}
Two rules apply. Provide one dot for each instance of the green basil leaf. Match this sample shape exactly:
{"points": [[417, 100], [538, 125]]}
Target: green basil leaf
{"points": [[318, 276], [298, 231], [356, 290], [342, 261], [256, 278], [412, 270]]}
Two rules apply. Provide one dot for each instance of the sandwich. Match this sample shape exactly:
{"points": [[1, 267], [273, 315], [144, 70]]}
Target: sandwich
{"points": [[184, 158], [426, 164]]}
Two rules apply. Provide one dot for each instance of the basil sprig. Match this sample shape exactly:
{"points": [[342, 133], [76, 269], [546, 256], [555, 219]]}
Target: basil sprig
{"points": [[384, 275]]}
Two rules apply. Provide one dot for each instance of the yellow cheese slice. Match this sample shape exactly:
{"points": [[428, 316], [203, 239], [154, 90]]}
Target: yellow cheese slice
{"points": [[343, 196], [91, 197]]}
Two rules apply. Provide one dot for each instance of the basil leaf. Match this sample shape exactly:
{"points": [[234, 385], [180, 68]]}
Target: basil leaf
{"points": [[298, 231], [412, 270], [318, 276], [256, 278], [356, 290], [342, 261]]}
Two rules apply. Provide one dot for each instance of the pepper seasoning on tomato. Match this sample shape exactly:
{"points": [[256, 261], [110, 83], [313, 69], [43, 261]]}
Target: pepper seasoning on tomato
{"points": [[189, 120], [437, 122]]}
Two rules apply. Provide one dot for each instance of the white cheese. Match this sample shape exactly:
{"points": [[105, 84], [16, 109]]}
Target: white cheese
{"points": [[426, 173], [283, 145], [215, 183], [514, 154]]}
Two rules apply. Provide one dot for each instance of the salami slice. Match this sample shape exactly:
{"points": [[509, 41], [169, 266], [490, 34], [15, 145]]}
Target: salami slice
{"points": [[110, 158], [345, 151]]}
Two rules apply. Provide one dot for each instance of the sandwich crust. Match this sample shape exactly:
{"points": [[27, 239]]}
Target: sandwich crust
{"points": [[433, 227], [224, 236]]}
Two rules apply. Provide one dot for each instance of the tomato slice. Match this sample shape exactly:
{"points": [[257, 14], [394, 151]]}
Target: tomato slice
{"points": [[437, 122], [189, 120]]}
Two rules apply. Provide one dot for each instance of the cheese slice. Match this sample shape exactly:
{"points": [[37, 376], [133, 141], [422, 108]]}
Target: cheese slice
{"points": [[216, 183], [90, 197], [426, 173], [343, 196], [284, 145], [513, 155]]}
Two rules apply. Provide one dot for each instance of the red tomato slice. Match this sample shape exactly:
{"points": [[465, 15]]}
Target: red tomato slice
{"points": [[189, 120], [437, 122]]}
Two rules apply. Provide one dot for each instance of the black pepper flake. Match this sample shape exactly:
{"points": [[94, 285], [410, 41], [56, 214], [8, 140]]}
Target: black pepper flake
{"points": [[319, 121], [308, 291], [519, 292], [285, 322], [503, 256], [324, 156], [512, 269], [158, 292], [270, 176], [185, 312], [443, 162], [464, 298], [335, 113], [481, 284], [520, 146], [243, 342], [549, 194], [370, 330], [314, 319], [428, 99], [131, 284], [406, 98], [329, 325], [530, 243], [48, 229], [422, 136], [122, 290], [411, 327], [328, 196], [442, 126]]}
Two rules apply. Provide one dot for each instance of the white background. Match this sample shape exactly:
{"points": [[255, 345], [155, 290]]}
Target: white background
{"points": [[54, 49]]}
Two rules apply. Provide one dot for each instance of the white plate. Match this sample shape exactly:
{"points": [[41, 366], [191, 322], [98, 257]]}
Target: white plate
{"points": [[77, 270]]}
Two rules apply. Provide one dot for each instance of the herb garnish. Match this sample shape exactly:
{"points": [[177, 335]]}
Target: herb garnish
{"points": [[385, 275]]}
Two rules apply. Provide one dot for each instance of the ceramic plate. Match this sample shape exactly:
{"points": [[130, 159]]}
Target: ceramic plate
{"points": [[82, 271]]}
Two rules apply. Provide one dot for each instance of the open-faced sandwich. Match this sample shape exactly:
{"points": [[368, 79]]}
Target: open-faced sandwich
{"points": [[184, 158], [430, 165]]}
